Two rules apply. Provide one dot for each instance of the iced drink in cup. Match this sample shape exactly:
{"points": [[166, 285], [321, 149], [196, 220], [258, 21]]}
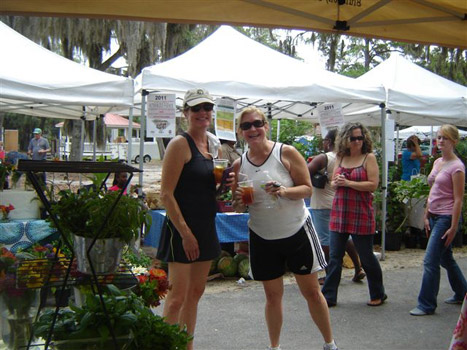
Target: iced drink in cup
{"points": [[247, 191], [219, 167]]}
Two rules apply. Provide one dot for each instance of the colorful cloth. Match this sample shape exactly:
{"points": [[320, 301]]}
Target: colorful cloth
{"points": [[459, 336], [19, 234], [352, 210]]}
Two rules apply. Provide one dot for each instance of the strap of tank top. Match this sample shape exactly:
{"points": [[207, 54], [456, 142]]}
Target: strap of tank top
{"points": [[364, 160], [191, 143], [340, 162]]}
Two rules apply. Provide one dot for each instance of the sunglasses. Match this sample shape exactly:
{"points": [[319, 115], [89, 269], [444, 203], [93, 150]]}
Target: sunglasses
{"points": [[208, 107], [247, 125], [356, 138]]}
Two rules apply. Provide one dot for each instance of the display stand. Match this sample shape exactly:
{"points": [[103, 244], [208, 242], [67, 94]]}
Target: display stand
{"points": [[31, 168]]}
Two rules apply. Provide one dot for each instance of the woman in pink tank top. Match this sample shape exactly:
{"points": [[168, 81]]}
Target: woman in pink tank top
{"points": [[442, 215]]}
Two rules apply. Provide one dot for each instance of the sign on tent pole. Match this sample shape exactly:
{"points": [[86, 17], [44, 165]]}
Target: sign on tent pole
{"points": [[160, 119], [225, 119], [330, 116]]}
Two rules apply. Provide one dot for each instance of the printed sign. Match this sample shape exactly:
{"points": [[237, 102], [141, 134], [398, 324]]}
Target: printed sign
{"points": [[160, 119], [330, 116], [225, 119]]}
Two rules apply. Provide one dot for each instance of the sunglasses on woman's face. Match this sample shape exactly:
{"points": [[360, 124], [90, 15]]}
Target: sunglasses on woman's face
{"points": [[247, 125], [208, 107], [356, 138]]}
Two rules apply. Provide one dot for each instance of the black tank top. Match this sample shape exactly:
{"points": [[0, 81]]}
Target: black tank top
{"points": [[196, 189]]}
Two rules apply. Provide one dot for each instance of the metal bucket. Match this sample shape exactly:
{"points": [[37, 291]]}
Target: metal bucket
{"points": [[105, 254]]}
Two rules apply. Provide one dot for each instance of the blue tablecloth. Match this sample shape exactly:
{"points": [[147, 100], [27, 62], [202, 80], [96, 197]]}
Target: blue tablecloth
{"points": [[231, 227], [17, 234]]}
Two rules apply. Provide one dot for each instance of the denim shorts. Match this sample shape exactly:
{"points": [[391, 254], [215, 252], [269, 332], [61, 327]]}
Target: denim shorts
{"points": [[321, 219]]}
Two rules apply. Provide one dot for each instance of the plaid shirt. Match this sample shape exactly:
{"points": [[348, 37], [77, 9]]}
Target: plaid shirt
{"points": [[352, 210]]}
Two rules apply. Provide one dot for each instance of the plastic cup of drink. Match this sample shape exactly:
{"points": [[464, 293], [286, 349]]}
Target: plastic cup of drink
{"points": [[219, 167], [247, 191]]}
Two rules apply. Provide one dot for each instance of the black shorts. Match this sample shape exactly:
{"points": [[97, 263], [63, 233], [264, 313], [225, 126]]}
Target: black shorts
{"points": [[171, 244], [301, 253]]}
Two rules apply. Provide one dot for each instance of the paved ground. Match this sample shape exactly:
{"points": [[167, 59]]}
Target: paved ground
{"points": [[233, 319]]}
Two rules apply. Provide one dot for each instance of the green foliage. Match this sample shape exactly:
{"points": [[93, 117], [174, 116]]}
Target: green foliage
{"points": [[290, 129], [404, 191], [84, 213], [137, 259], [128, 316]]}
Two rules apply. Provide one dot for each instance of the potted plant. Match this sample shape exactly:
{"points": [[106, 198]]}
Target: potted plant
{"points": [[84, 216], [134, 325], [18, 298], [405, 196]]}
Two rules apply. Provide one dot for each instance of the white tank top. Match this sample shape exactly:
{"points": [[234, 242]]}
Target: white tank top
{"points": [[321, 198], [285, 218]]}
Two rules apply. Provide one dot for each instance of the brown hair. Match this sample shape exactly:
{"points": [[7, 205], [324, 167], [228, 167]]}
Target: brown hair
{"points": [[343, 140]]}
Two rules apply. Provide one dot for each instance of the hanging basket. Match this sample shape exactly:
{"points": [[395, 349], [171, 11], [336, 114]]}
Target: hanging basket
{"points": [[105, 254]]}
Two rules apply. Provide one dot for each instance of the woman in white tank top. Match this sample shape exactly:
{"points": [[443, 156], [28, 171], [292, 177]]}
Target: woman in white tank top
{"points": [[281, 234]]}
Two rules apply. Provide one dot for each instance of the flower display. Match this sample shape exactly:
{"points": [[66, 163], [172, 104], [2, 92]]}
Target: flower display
{"points": [[16, 299], [152, 286], [5, 209]]}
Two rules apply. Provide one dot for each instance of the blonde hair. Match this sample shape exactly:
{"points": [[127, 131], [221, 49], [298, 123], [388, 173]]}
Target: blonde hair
{"points": [[451, 132], [250, 110]]}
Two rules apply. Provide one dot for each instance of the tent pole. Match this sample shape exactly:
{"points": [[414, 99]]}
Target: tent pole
{"points": [[130, 135], [83, 118], [384, 184], [94, 132], [142, 133], [431, 141], [278, 130], [270, 120], [397, 143]]}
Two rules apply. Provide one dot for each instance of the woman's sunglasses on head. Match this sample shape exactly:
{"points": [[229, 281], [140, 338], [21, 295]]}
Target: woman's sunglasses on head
{"points": [[208, 107], [355, 138], [247, 125]]}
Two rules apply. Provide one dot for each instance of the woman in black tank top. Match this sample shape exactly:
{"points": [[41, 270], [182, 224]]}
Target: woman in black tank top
{"points": [[189, 241]]}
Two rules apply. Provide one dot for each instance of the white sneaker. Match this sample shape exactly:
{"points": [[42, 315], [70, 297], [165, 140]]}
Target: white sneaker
{"points": [[276, 348], [331, 346]]}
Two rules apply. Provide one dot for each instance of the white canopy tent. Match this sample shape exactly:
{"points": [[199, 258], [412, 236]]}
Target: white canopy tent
{"points": [[423, 132], [415, 96], [38, 82], [229, 64]]}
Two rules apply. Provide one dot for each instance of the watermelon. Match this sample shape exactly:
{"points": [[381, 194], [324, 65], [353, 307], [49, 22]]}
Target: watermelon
{"points": [[244, 268], [227, 266], [239, 257], [213, 268], [224, 253], [214, 263]]}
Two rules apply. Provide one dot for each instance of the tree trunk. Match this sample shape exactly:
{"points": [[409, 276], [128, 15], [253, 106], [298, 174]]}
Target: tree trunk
{"points": [[75, 148], [334, 39]]}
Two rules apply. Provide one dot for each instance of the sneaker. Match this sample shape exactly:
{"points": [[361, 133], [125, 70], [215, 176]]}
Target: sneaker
{"points": [[419, 312], [453, 301], [331, 346], [276, 348]]}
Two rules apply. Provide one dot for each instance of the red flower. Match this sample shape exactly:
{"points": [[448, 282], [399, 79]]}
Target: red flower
{"points": [[152, 286]]}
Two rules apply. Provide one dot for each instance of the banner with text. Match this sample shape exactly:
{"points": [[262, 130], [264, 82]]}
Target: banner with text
{"points": [[160, 119], [225, 119], [330, 116]]}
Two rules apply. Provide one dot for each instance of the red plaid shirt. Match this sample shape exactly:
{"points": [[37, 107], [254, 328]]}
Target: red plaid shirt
{"points": [[352, 210]]}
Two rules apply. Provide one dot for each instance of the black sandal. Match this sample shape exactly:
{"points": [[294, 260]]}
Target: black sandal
{"points": [[359, 276]]}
